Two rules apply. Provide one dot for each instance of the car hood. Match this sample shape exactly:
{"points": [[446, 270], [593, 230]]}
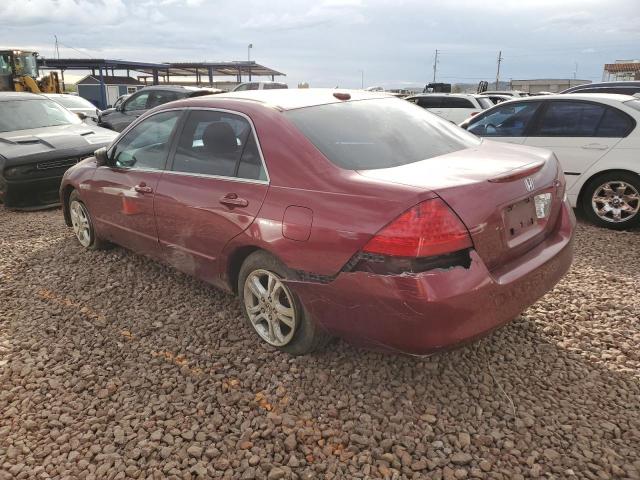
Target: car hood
{"points": [[39, 143], [471, 165]]}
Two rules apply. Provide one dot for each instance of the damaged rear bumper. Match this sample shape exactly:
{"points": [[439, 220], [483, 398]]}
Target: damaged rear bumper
{"points": [[425, 312]]}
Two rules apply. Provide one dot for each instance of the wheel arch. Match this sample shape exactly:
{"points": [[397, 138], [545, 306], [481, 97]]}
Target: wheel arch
{"points": [[599, 174], [66, 193], [234, 264]]}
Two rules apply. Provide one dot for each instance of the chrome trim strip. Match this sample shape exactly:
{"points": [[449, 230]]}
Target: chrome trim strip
{"points": [[218, 177]]}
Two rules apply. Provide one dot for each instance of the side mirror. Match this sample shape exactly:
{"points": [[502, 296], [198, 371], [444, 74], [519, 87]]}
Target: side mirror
{"points": [[101, 156], [81, 116]]}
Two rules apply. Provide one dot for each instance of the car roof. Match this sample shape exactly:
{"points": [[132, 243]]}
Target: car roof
{"points": [[605, 97], [178, 88], [5, 96], [293, 98]]}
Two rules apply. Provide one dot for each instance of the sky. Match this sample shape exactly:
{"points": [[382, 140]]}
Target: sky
{"points": [[330, 43]]}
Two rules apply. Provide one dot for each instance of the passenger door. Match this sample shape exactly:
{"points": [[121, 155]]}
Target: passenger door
{"points": [[505, 123], [121, 194], [211, 192], [578, 132]]}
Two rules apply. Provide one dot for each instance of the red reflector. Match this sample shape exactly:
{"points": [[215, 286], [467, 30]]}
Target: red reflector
{"points": [[427, 229], [474, 113], [342, 95]]}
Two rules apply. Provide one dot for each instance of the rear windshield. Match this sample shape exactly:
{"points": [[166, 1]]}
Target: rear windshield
{"points": [[37, 113], [380, 133]]}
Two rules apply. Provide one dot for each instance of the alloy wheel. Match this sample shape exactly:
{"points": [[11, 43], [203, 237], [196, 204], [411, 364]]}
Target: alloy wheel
{"points": [[616, 201], [80, 223], [270, 307]]}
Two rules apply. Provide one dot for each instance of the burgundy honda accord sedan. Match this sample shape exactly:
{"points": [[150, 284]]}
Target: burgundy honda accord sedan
{"points": [[333, 213]]}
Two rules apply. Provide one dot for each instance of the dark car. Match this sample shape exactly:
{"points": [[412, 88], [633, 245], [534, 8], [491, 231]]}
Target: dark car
{"points": [[623, 88], [145, 99], [333, 213], [39, 140]]}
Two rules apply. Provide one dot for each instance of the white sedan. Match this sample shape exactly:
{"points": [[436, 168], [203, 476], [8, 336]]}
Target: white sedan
{"points": [[454, 107], [596, 139]]}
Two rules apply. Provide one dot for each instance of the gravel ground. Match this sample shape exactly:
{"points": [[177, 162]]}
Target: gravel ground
{"points": [[112, 366]]}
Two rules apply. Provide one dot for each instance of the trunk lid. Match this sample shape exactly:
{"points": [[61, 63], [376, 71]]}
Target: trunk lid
{"points": [[492, 188]]}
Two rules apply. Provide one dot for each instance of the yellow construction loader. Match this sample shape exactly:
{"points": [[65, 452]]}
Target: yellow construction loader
{"points": [[19, 73]]}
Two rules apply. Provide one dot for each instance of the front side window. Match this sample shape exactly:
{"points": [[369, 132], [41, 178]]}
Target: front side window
{"points": [[137, 102], [36, 113], [570, 119], [146, 145], [506, 120], [218, 144], [378, 133]]}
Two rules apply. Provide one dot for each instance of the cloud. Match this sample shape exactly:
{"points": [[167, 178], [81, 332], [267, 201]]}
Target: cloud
{"points": [[37, 12]]}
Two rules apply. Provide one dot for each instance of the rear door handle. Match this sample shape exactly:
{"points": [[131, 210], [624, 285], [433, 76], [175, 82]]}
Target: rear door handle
{"points": [[232, 200], [595, 146], [142, 188]]}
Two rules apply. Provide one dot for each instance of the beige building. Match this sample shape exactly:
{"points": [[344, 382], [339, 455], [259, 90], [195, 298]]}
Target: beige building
{"points": [[621, 70], [552, 85]]}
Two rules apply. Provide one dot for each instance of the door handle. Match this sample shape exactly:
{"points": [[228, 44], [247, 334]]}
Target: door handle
{"points": [[595, 146], [142, 188], [232, 200]]}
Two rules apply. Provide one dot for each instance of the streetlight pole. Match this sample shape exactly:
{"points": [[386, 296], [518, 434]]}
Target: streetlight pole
{"points": [[249, 47]]}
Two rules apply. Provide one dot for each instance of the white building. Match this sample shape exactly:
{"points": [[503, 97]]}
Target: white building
{"points": [[553, 85], [621, 70]]}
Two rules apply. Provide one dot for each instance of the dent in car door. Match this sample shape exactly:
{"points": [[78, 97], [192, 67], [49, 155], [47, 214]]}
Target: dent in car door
{"points": [[121, 195], [212, 192], [572, 129]]}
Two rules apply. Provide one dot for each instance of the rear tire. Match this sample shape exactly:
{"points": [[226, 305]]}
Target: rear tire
{"points": [[612, 200], [273, 310], [82, 224]]}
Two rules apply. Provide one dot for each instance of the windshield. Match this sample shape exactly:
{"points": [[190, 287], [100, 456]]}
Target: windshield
{"points": [[37, 113], [73, 101], [25, 64], [379, 133]]}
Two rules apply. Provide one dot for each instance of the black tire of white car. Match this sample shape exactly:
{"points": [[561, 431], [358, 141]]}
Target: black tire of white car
{"points": [[302, 335], [94, 242], [628, 199]]}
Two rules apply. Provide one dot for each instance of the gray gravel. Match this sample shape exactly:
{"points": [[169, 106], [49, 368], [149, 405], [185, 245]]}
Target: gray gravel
{"points": [[112, 367]]}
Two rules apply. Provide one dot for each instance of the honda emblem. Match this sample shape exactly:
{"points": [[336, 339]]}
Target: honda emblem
{"points": [[528, 183]]}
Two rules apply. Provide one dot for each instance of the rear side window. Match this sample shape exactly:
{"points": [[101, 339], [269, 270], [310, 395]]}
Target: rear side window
{"points": [[380, 133], [429, 102], [570, 119], [456, 102], [273, 86], [218, 144], [615, 124], [507, 120]]}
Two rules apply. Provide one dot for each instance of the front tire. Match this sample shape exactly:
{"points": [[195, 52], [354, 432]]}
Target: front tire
{"points": [[612, 200], [82, 224], [273, 310]]}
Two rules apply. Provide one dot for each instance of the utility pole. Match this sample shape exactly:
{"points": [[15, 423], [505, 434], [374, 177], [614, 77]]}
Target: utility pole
{"points": [[435, 66], [57, 49], [575, 72], [498, 72], [362, 79]]}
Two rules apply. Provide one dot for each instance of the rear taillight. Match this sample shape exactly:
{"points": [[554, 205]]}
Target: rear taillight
{"points": [[427, 229]]}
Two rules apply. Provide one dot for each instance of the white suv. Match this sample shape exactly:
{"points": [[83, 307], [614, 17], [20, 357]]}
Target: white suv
{"points": [[454, 107], [596, 138]]}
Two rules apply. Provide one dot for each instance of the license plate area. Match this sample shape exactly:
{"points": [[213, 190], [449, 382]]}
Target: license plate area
{"points": [[519, 218]]}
